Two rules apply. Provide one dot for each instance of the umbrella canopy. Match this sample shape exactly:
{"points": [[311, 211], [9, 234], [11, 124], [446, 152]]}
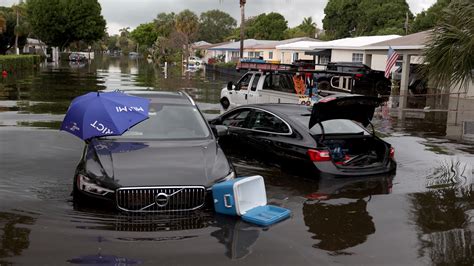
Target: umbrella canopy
{"points": [[104, 114]]}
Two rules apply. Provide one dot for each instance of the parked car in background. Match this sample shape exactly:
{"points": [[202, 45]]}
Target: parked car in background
{"points": [[167, 163], [195, 61], [77, 57], [319, 141], [366, 81], [416, 83]]}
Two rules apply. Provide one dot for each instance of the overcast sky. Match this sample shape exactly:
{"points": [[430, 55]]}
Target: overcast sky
{"points": [[131, 13]]}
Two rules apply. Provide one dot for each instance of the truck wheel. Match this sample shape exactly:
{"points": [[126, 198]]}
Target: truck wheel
{"points": [[225, 103], [382, 88], [324, 85]]}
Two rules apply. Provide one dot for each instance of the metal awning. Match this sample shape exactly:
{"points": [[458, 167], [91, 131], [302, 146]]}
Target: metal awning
{"points": [[319, 52]]}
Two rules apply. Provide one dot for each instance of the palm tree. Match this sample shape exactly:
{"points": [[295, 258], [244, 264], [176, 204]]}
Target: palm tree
{"points": [[449, 55], [309, 27]]}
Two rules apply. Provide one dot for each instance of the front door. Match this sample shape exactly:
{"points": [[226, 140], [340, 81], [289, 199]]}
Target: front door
{"points": [[252, 95], [241, 90]]}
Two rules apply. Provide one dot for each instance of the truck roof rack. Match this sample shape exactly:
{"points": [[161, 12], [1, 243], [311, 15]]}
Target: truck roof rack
{"points": [[265, 66]]}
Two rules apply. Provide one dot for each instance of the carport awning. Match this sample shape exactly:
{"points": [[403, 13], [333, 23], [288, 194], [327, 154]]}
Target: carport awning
{"points": [[319, 52]]}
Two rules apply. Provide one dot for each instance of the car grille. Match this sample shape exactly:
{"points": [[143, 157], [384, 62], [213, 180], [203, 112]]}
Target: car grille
{"points": [[160, 199]]}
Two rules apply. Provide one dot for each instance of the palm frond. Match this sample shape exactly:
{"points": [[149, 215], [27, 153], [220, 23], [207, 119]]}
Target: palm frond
{"points": [[449, 56]]}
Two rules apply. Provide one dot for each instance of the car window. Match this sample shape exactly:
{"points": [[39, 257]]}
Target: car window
{"points": [[279, 82], [243, 83], [236, 118], [170, 121], [335, 126], [256, 78], [265, 121]]}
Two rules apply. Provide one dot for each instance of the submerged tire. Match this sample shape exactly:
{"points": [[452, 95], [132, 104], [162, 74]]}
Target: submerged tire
{"points": [[225, 103]]}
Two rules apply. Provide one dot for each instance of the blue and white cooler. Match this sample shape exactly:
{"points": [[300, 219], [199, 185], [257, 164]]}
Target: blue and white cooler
{"points": [[246, 197]]}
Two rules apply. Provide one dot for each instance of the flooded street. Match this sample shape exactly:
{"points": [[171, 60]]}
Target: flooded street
{"points": [[423, 214]]}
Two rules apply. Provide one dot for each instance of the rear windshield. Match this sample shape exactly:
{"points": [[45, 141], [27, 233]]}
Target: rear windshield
{"points": [[170, 121], [335, 126]]}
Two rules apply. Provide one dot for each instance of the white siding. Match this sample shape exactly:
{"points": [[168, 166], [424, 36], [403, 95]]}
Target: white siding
{"points": [[342, 55]]}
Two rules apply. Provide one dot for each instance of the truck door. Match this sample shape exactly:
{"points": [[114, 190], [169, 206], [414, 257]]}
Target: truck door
{"points": [[253, 93], [241, 89]]}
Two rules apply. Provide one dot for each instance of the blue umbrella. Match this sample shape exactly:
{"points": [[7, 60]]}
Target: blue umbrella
{"points": [[104, 114]]}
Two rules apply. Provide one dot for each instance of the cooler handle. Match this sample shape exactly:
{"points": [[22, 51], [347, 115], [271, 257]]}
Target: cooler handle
{"points": [[228, 201]]}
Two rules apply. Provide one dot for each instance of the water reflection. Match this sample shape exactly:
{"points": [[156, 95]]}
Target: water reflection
{"points": [[237, 236], [444, 220], [336, 214], [14, 236]]}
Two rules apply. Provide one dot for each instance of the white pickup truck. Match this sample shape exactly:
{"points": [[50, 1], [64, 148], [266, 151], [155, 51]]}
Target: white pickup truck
{"points": [[262, 87]]}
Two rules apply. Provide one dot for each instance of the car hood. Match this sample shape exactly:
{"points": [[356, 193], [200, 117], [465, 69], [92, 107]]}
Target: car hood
{"points": [[353, 107], [156, 163]]}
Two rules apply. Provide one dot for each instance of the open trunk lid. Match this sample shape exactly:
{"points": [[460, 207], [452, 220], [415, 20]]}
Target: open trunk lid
{"points": [[358, 108]]}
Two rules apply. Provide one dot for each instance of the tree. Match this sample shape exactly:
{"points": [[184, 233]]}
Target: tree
{"points": [[449, 56], [9, 28], [427, 19], [165, 24], [269, 26], [187, 23], [346, 18], [340, 18], [308, 26], [145, 34], [215, 25], [125, 43], [61, 22], [382, 17]]}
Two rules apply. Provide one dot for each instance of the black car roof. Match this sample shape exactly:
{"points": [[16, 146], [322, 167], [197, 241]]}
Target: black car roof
{"points": [[282, 108]]}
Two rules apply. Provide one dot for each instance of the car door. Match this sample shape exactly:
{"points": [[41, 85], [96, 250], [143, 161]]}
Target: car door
{"points": [[267, 135], [252, 95], [237, 123], [241, 89]]}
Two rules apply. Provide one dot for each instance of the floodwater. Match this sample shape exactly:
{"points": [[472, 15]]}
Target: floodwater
{"points": [[423, 214]]}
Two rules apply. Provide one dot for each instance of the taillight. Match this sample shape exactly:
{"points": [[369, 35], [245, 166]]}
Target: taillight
{"points": [[359, 76], [319, 156], [392, 152]]}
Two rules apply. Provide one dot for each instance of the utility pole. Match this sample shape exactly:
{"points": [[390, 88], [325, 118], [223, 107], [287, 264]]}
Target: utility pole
{"points": [[242, 27], [17, 51], [406, 23]]}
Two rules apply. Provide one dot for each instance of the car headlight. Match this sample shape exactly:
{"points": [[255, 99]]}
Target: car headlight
{"points": [[230, 176], [86, 184]]}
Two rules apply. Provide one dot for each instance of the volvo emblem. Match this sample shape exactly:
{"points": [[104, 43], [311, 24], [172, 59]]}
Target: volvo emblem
{"points": [[161, 199]]}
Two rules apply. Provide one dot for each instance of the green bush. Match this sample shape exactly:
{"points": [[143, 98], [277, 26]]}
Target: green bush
{"points": [[17, 62]]}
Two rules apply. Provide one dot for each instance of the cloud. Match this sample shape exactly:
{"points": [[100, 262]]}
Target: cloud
{"points": [[131, 13]]}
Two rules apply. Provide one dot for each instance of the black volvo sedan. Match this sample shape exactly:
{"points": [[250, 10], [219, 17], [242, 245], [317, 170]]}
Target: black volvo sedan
{"points": [[328, 139], [166, 163]]}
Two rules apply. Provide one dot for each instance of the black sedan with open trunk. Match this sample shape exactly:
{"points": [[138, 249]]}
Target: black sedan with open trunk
{"points": [[328, 139]]}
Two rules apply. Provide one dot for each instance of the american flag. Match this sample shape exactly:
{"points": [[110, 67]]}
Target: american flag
{"points": [[391, 60]]}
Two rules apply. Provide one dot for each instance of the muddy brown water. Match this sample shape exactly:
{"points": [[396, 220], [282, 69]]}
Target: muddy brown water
{"points": [[423, 214]]}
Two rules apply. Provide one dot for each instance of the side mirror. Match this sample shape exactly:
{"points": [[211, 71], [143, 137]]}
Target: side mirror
{"points": [[220, 130], [230, 85]]}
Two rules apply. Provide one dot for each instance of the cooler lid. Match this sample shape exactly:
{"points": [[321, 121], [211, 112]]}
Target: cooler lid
{"points": [[266, 215]]}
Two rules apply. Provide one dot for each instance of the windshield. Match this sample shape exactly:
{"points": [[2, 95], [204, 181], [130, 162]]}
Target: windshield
{"points": [[335, 126], [169, 121]]}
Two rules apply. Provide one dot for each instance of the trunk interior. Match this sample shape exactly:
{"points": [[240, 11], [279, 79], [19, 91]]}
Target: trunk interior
{"points": [[357, 151]]}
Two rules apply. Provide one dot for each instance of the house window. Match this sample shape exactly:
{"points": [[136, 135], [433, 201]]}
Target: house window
{"points": [[324, 59], [295, 56], [357, 57], [270, 55]]}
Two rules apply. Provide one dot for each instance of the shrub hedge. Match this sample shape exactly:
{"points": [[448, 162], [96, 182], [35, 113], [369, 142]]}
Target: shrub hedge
{"points": [[17, 62]]}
